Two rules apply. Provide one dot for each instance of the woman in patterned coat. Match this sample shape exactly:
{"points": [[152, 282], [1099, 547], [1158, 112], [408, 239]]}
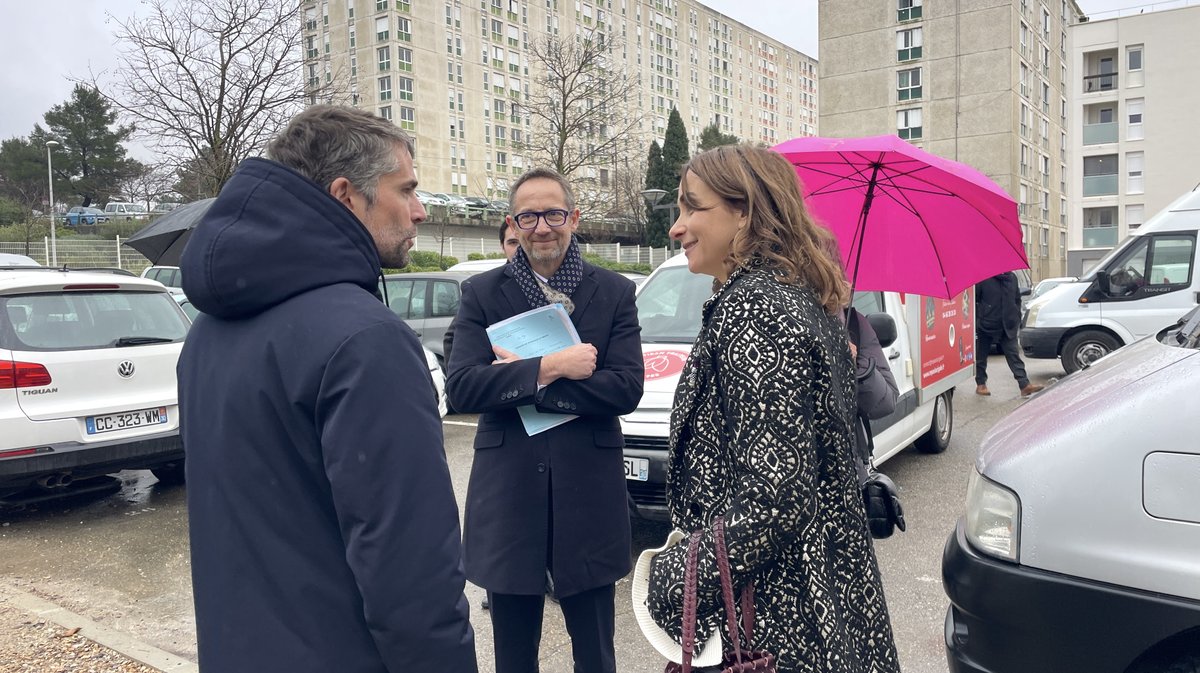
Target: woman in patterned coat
{"points": [[762, 427]]}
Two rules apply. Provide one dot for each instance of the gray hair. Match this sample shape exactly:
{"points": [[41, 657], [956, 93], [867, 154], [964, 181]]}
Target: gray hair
{"points": [[327, 142], [546, 174]]}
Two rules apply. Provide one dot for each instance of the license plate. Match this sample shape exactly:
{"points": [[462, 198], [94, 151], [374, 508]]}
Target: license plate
{"points": [[130, 419], [637, 469]]}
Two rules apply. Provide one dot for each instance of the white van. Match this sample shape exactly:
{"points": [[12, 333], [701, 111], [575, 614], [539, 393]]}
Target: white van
{"points": [[125, 210], [669, 306], [1080, 547], [1142, 286]]}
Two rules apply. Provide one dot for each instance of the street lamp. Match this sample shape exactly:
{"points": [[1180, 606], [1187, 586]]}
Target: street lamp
{"points": [[50, 174], [653, 201]]}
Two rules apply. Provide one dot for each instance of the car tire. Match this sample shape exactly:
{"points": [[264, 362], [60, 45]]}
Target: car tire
{"points": [[941, 428], [169, 473], [1084, 348]]}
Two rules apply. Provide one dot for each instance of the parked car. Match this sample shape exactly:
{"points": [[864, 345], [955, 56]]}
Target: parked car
{"points": [[189, 309], [427, 302], [457, 205], [500, 206], [164, 207], [479, 265], [477, 206], [78, 215], [1078, 548], [1143, 285], [125, 210], [87, 378], [637, 278], [428, 199], [170, 276], [669, 305], [10, 260]]}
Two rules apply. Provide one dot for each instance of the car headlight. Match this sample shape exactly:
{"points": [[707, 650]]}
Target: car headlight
{"points": [[993, 518], [1032, 314]]}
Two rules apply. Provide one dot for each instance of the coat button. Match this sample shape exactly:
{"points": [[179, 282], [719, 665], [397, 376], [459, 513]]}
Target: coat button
{"points": [[541, 467]]}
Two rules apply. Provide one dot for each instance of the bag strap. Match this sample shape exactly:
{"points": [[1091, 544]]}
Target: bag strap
{"points": [[689, 600], [727, 588]]}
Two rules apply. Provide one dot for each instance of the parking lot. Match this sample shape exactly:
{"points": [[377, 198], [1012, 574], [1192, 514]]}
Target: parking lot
{"points": [[122, 560]]}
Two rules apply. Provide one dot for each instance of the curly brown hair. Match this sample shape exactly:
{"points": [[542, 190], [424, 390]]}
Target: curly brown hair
{"points": [[762, 185]]}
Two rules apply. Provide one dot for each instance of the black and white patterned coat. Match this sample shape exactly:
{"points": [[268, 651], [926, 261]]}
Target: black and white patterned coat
{"points": [[761, 435]]}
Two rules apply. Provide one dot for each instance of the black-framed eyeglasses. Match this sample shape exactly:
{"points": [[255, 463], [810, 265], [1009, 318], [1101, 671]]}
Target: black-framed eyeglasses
{"points": [[555, 217]]}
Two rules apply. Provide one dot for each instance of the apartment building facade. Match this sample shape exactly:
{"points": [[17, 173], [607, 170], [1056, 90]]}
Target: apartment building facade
{"points": [[1135, 144], [983, 82], [457, 73]]}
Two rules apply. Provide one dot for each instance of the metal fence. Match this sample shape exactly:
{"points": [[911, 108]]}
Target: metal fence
{"points": [[111, 253]]}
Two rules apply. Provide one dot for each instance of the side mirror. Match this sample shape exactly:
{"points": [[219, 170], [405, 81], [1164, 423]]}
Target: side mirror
{"points": [[1026, 292], [1102, 282], [885, 328]]}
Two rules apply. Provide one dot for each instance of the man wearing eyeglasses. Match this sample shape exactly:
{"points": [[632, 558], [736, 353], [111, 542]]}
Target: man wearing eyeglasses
{"points": [[552, 504]]}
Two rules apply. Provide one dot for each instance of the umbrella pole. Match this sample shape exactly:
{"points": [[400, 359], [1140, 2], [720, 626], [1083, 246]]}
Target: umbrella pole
{"points": [[862, 224]]}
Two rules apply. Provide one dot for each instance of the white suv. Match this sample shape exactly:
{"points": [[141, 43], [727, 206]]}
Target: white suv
{"points": [[87, 378]]}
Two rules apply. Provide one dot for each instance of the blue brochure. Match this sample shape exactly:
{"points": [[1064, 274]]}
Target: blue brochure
{"points": [[532, 334]]}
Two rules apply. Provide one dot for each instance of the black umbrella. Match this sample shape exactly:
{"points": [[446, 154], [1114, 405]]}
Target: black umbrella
{"points": [[162, 240]]}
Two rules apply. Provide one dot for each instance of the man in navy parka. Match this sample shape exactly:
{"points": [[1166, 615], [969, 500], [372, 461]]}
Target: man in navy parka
{"points": [[324, 530]]}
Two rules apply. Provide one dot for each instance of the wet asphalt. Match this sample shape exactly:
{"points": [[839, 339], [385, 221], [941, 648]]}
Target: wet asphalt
{"points": [[121, 558]]}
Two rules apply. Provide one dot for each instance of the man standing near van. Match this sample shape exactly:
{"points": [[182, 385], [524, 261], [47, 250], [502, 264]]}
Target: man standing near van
{"points": [[997, 321], [555, 501]]}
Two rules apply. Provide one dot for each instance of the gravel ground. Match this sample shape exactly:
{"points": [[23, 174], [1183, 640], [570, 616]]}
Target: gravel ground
{"points": [[32, 645]]}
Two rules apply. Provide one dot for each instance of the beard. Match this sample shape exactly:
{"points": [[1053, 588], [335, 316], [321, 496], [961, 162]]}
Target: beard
{"points": [[544, 255], [396, 256]]}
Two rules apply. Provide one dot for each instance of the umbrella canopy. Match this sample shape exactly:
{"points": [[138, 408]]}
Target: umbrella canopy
{"points": [[162, 240], [906, 220]]}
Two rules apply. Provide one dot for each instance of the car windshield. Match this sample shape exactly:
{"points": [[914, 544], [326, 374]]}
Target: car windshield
{"points": [[669, 305], [86, 320]]}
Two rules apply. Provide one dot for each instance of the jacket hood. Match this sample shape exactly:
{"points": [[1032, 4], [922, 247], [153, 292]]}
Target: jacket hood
{"points": [[270, 235]]}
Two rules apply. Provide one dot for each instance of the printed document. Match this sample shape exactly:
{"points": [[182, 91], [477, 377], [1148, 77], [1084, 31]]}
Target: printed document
{"points": [[532, 334]]}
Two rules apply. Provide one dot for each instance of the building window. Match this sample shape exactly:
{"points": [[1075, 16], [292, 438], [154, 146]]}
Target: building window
{"points": [[1135, 181], [1134, 57], [384, 55], [404, 29], [1100, 175], [501, 158], [908, 10], [908, 84], [404, 59], [386, 112], [1100, 227], [1134, 107], [381, 5], [908, 123], [404, 88], [408, 118], [1024, 81], [1135, 214], [385, 88], [908, 44], [381, 29]]}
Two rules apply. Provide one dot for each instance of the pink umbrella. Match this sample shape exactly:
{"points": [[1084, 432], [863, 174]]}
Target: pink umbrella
{"points": [[906, 220]]}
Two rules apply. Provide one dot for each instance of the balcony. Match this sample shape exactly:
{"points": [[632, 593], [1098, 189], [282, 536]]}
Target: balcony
{"points": [[1093, 83], [1097, 134], [1100, 185], [1099, 237]]}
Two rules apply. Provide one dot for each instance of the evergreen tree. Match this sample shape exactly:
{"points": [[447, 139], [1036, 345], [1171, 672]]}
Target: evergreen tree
{"points": [[23, 173], [712, 137], [656, 176], [674, 150], [91, 161]]}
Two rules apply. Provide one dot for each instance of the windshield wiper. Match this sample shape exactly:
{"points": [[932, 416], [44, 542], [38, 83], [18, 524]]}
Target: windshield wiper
{"points": [[141, 340]]}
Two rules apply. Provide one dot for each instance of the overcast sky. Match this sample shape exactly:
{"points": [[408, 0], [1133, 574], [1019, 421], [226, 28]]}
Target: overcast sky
{"points": [[47, 42]]}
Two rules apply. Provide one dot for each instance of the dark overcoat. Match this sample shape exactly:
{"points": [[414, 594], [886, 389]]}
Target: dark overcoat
{"points": [[998, 305], [324, 532], [558, 495]]}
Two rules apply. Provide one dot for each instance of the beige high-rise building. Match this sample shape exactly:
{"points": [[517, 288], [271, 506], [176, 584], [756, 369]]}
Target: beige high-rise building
{"points": [[1133, 129], [456, 73], [983, 82]]}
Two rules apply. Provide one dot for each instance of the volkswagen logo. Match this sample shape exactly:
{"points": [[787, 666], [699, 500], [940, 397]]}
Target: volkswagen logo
{"points": [[125, 369]]}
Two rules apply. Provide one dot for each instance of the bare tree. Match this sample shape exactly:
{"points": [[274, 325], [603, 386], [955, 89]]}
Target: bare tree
{"points": [[208, 83], [584, 112], [149, 183]]}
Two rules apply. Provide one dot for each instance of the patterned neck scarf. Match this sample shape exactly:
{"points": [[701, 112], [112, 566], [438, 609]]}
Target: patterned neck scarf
{"points": [[562, 284]]}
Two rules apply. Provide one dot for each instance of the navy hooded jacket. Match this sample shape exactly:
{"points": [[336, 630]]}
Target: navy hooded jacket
{"points": [[324, 530]]}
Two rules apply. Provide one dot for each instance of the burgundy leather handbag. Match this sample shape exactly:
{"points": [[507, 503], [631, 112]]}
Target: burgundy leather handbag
{"points": [[737, 660]]}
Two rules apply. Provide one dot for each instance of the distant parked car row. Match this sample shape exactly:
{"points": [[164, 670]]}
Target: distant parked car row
{"points": [[475, 207]]}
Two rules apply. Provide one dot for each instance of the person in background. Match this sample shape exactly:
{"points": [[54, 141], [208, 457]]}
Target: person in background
{"points": [[556, 501], [997, 321], [324, 530], [762, 428], [509, 241]]}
